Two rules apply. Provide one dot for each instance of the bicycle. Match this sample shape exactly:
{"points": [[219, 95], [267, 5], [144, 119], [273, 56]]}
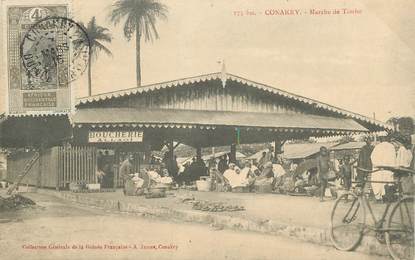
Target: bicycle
{"points": [[348, 218]]}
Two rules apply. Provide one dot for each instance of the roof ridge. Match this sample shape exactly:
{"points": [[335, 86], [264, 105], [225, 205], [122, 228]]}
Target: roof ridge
{"points": [[150, 85], [310, 99], [219, 75]]}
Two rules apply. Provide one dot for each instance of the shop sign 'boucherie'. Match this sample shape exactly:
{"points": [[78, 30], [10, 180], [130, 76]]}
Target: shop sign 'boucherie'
{"points": [[115, 136]]}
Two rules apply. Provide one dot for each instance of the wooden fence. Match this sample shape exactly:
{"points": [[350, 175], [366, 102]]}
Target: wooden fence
{"points": [[56, 167], [76, 164]]}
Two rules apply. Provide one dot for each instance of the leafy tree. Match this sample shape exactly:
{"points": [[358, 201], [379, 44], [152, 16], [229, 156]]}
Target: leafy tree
{"points": [[97, 35], [140, 17]]}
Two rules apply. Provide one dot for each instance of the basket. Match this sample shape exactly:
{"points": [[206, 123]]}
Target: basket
{"points": [[203, 185]]}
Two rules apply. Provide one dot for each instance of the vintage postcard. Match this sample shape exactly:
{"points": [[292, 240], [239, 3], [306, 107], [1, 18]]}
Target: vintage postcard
{"points": [[207, 129]]}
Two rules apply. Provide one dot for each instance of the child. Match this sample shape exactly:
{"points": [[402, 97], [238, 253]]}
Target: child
{"points": [[346, 171], [323, 168]]}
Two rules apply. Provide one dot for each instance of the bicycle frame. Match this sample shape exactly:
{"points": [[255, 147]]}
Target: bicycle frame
{"points": [[378, 225], [391, 228]]}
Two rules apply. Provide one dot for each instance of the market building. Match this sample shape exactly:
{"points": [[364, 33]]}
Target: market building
{"points": [[204, 111]]}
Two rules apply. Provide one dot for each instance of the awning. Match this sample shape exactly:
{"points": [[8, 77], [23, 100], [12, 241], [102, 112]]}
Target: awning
{"points": [[349, 146], [183, 160], [297, 151], [31, 130], [130, 117]]}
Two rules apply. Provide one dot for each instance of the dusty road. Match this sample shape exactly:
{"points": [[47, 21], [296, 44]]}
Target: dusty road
{"points": [[56, 229]]}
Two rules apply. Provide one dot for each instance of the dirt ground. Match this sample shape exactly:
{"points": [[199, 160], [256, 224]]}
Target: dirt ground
{"points": [[284, 209], [56, 229]]}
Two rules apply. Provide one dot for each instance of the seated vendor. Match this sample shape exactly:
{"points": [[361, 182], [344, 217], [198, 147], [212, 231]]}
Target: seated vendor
{"points": [[157, 178], [277, 169], [165, 178], [254, 170], [232, 176], [248, 174], [267, 175], [153, 174], [267, 171]]}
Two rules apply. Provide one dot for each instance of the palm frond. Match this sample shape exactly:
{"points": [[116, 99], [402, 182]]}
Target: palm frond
{"points": [[96, 35], [139, 16], [99, 46]]}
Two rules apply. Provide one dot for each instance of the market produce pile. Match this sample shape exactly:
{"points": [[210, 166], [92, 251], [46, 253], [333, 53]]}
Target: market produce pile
{"points": [[215, 206], [206, 205], [15, 202]]}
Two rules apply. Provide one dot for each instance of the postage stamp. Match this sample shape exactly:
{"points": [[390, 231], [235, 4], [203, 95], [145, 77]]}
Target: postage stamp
{"points": [[51, 43]]}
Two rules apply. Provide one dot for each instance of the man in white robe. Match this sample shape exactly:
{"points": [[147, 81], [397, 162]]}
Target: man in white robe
{"points": [[393, 154]]}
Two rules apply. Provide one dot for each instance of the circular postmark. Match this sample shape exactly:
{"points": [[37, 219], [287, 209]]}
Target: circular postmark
{"points": [[55, 50]]}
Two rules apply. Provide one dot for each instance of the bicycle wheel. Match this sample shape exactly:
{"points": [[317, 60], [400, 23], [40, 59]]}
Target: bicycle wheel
{"points": [[400, 234], [347, 222]]}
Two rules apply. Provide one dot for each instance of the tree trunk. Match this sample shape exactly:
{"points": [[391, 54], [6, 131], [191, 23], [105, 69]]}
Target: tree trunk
{"points": [[137, 57], [89, 74]]}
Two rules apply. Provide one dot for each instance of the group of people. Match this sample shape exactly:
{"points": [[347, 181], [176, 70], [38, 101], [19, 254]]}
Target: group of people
{"points": [[250, 174], [191, 171], [136, 182], [394, 150]]}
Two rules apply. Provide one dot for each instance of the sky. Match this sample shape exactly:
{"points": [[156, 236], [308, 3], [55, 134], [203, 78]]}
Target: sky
{"points": [[362, 62]]}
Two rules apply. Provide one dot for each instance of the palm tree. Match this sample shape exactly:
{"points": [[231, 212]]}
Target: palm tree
{"points": [[140, 18], [96, 36]]}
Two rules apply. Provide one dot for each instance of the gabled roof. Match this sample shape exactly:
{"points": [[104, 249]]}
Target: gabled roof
{"points": [[225, 77], [116, 117]]}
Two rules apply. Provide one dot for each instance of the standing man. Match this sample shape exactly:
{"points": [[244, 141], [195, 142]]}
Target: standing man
{"points": [[394, 152], [262, 160], [346, 171], [364, 161], [126, 170], [223, 164], [323, 168]]}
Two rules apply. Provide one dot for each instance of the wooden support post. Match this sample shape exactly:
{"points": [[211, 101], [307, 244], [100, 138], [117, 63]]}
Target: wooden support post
{"points": [[39, 169], [147, 153], [278, 147], [198, 153], [233, 153], [115, 168], [171, 150], [42, 148]]}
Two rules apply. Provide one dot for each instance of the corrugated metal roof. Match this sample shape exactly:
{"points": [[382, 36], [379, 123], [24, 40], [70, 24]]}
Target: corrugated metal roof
{"points": [[109, 117], [349, 146], [219, 75], [297, 151]]}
